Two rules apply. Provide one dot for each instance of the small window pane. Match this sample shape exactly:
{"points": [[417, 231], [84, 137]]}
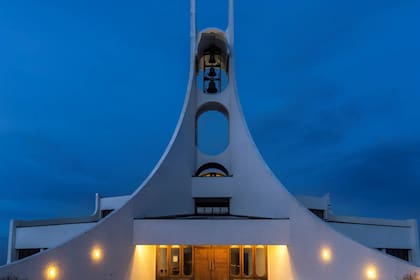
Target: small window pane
{"points": [[260, 261], [187, 260], [175, 261], [235, 266], [247, 261], [162, 267]]}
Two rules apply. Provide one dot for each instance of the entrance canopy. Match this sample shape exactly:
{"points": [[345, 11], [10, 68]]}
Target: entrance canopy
{"points": [[211, 231]]}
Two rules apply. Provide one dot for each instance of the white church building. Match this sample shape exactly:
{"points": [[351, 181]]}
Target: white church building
{"points": [[212, 217]]}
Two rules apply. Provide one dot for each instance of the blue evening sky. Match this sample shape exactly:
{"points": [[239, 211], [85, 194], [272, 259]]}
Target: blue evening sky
{"points": [[90, 93]]}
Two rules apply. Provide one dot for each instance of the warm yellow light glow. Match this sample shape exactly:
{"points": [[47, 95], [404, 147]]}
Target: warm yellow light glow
{"points": [[96, 254], [51, 272], [371, 272], [175, 246], [279, 263], [143, 264], [234, 246], [326, 254], [283, 250]]}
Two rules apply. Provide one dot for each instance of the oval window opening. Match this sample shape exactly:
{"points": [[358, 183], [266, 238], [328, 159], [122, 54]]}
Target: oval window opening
{"points": [[212, 132]]}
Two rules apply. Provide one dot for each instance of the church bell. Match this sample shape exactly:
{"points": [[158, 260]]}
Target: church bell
{"points": [[212, 59], [212, 72], [212, 87]]}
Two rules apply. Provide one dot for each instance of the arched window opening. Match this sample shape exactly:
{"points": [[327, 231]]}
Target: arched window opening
{"points": [[212, 132], [212, 169], [212, 62]]}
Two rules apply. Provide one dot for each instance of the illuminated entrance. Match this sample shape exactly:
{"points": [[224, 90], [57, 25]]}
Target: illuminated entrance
{"points": [[208, 262]]}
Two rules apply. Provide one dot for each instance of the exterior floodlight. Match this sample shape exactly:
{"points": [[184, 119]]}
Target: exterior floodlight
{"points": [[96, 254], [371, 272], [51, 272], [326, 254]]}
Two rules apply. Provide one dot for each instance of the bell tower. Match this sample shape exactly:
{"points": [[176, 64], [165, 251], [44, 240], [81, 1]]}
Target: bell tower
{"points": [[188, 180], [212, 88]]}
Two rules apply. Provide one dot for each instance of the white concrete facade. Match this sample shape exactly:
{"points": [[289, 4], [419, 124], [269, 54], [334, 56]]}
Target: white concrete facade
{"points": [[261, 211], [211, 231]]}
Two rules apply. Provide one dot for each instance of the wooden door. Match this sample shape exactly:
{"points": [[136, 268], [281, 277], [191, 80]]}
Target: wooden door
{"points": [[211, 263], [220, 265], [202, 263]]}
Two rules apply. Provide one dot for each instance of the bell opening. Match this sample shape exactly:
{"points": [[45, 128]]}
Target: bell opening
{"points": [[212, 63]]}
